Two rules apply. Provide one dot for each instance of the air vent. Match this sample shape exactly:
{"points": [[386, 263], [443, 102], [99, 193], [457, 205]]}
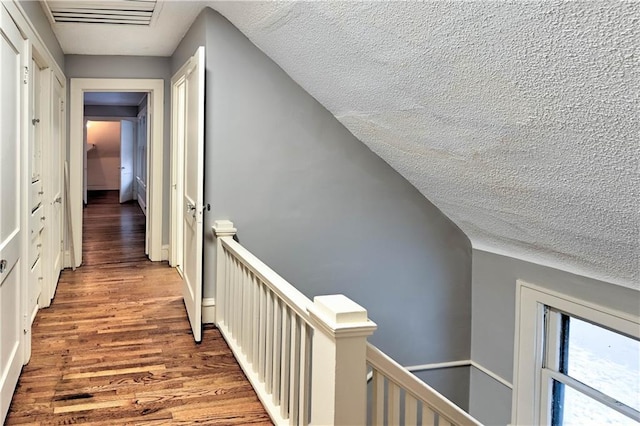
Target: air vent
{"points": [[118, 12]]}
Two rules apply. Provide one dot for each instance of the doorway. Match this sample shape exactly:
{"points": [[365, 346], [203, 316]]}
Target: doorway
{"points": [[154, 89]]}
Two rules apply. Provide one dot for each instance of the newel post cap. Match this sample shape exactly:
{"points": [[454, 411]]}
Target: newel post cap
{"points": [[223, 228], [340, 316]]}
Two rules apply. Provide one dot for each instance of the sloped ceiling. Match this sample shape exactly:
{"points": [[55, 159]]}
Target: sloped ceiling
{"points": [[520, 121]]}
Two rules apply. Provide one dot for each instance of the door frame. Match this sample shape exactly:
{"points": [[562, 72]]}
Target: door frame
{"points": [[155, 153], [177, 175]]}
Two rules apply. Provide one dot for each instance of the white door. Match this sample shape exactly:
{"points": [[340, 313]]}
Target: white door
{"points": [[127, 134], [11, 50], [193, 194], [55, 185]]}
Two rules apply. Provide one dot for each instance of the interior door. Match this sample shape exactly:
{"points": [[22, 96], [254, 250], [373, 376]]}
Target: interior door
{"points": [[11, 51], [55, 184], [126, 160], [193, 194]]}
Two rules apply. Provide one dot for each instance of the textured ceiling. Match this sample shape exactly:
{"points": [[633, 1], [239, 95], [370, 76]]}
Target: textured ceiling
{"points": [[520, 121]]}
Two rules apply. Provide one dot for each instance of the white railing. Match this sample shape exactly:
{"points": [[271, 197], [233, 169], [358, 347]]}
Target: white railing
{"points": [[307, 360], [405, 399]]}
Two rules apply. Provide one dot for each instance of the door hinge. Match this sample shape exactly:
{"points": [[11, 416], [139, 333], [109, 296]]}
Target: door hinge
{"points": [[26, 75]]}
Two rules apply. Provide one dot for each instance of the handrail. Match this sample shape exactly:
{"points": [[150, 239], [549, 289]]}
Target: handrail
{"points": [[401, 377]]}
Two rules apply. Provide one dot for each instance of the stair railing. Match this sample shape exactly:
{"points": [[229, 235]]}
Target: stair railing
{"points": [[307, 360]]}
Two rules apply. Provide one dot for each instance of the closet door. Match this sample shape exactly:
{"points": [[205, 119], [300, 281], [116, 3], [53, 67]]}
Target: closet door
{"points": [[11, 281]]}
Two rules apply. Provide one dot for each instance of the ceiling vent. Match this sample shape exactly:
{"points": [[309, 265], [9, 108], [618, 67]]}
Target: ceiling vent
{"points": [[113, 12]]}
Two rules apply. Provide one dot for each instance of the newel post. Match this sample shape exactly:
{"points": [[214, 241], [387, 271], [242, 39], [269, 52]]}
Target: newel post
{"points": [[221, 228], [339, 361]]}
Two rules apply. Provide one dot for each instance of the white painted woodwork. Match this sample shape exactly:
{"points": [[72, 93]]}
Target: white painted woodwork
{"points": [[127, 135], [339, 370], [35, 207], [193, 189], [53, 149], [307, 361], [12, 179], [178, 95], [140, 166], [268, 325], [155, 90], [265, 321], [399, 381], [533, 340]]}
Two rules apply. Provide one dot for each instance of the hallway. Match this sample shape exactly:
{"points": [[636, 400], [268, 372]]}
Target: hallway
{"points": [[115, 347]]}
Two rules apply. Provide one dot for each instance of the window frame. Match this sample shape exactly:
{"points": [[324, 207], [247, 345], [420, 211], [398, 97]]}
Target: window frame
{"points": [[531, 403]]}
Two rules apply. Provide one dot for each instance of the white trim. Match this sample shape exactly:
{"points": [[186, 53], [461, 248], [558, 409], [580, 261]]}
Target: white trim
{"points": [[208, 310], [530, 393], [28, 29], [439, 365], [155, 89], [491, 374], [165, 251], [461, 363]]}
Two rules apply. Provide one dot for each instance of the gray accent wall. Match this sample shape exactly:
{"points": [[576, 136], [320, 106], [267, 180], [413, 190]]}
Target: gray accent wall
{"points": [[41, 23], [321, 209], [91, 66], [493, 326]]}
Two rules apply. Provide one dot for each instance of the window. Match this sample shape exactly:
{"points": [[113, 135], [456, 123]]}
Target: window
{"points": [[576, 363]]}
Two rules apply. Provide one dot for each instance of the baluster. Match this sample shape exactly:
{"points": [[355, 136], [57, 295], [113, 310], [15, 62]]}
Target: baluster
{"points": [[262, 324], [256, 327], [410, 410], [285, 363], [294, 373], [239, 295], [377, 417], [443, 422], [277, 334], [428, 416], [394, 403], [269, 339], [246, 314], [303, 397], [234, 300], [229, 284]]}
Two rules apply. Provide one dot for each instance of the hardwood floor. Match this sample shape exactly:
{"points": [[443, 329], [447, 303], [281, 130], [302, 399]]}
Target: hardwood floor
{"points": [[115, 347]]}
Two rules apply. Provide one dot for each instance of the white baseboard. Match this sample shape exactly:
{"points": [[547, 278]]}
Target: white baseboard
{"points": [[165, 252], [208, 310]]}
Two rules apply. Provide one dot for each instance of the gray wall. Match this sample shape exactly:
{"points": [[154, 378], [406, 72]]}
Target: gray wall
{"points": [[110, 111], [194, 38], [448, 382], [41, 23], [493, 327], [319, 207], [88, 66]]}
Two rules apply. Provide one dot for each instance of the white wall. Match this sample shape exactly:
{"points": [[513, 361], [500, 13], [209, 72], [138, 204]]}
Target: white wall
{"points": [[103, 161]]}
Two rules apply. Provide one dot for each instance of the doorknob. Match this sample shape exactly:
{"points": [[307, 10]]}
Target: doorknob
{"points": [[3, 265]]}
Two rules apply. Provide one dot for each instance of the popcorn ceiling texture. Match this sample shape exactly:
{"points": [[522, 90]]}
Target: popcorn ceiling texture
{"points": [[520, 121]]}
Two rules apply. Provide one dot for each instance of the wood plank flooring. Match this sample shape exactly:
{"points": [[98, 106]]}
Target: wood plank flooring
{"points": [[115, 347]]}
